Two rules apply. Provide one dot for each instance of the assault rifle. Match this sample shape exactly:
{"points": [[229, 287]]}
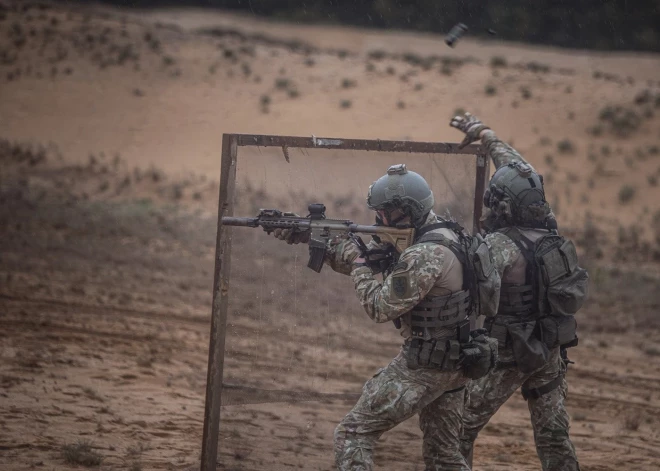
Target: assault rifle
{"points": [[321, 230]]}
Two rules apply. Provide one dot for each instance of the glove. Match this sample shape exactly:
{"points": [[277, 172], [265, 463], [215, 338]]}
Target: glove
{"points": [[380, 257], [289, 235], [470, 125]]}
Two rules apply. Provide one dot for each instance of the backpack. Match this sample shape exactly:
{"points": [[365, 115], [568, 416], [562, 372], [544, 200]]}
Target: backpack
{"points": [[560, 285]]}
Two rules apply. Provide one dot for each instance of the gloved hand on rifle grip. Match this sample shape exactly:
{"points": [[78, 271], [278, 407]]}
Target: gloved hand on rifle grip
{"points": [[470, 125], [380, 257], [289, 235]]}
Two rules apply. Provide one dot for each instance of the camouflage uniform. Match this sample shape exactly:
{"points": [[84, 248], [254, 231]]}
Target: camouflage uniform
{"points": [[549, 418], [396, 392]]}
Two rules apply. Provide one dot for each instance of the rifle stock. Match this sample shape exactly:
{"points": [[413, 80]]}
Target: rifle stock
{"points": [[321, 230]]}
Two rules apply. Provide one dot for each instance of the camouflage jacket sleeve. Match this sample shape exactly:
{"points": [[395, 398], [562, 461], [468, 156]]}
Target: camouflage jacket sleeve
{"points": [[333, 260], [417, 270], [503, 250], [499, 151]]}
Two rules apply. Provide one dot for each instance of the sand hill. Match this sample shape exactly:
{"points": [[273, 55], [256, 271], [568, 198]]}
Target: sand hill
{"points": [[112, 124]]}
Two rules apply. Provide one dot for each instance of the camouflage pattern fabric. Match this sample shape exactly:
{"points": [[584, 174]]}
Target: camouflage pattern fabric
{"points": [[550, 420], [499, 151], [340, 254], [394, 394]]}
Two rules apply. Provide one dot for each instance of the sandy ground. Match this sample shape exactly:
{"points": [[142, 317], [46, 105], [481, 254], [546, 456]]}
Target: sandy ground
{"points": [[107, 222]]}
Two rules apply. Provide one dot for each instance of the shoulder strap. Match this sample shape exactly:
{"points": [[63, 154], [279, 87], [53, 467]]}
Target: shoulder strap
{"points": [[457, 249], [527, 248], [454, 226], [525, 245]]}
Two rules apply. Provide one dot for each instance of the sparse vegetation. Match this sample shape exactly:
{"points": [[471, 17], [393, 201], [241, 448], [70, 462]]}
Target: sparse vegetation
{"points": [[537, 67], [282, 83], [565, 146], [596, 130], [622, 121], [81, 453], [550, 160], [525, 92], [498, 61], [632, 421], [345, 104], [377, 55], [651, 350], [644, 97], [626, 194], [579, 417], [490, 90], [348, 83], [605, 150]]}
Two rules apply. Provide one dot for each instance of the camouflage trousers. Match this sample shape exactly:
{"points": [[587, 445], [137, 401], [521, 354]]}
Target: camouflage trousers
{"points": [[394, 394], [549, 418]]}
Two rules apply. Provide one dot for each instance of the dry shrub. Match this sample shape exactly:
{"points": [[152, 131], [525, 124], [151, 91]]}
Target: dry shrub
{"points": [[632, 421], [498, 61], [81, 453], [626, 193]]}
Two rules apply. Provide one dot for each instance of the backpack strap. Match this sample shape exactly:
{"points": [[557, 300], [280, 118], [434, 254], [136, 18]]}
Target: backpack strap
{"points": [[526, 247]]}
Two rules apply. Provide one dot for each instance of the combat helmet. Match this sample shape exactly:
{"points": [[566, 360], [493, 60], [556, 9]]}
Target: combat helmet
{"points": [[516, 195], [404, 190]]}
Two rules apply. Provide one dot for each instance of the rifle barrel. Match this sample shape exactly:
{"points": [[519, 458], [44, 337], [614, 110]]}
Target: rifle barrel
{"points": [[232, 221]]}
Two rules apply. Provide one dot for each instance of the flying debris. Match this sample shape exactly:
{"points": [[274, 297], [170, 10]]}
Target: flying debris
{"points": [[455, 33]]}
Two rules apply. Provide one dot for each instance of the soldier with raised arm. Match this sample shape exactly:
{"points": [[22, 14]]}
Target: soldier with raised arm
{"points": [[425, 291], [541, 289]]}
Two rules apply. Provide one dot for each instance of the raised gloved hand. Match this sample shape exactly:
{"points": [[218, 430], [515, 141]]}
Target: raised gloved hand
{"points": [[470, 125], [291, 236]]}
